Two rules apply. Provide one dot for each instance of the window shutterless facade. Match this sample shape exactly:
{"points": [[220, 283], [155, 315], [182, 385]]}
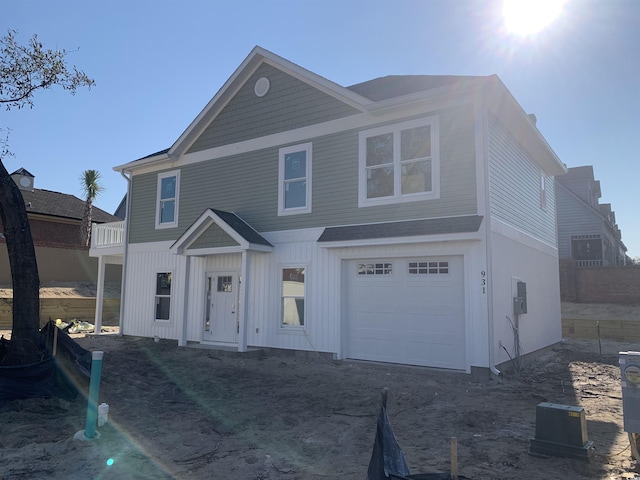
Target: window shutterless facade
{"points": [[294, 177], [163, 296], [167, 199], [399, 163], [293, 297]]}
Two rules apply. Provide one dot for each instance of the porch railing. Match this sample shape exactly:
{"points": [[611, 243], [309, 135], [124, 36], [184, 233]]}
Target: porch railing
{"points": [[107, 234]]}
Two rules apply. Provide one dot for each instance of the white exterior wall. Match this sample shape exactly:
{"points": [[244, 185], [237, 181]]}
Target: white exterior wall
{"points": [[325, 284], [517, 256], [142, 264]]}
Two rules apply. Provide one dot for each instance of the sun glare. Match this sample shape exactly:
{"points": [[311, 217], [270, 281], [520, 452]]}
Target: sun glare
{"points": [[525, 17]]}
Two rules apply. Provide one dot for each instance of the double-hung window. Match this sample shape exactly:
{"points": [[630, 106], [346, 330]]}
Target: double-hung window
{"points": [[163, 296], [543, 191], [293, 295], [294, 178], [167, 199], [399, 163]]}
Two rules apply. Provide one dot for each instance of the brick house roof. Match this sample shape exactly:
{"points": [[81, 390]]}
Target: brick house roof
{"points": [[56, 204]]}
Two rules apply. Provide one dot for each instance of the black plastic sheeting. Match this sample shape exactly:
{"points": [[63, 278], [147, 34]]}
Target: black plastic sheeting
{"points": [[57, 376], [387, 459]]}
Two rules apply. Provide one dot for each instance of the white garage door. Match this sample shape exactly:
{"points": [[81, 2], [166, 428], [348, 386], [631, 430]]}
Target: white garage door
{"points": [[407, 310]]}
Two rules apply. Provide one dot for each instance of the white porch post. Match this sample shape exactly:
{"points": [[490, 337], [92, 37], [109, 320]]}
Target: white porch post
{"points": [[182, 332], [242, 333], [99, 295]]}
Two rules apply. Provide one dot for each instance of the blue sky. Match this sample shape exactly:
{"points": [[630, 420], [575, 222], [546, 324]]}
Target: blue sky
{"points": [[157, 63]]}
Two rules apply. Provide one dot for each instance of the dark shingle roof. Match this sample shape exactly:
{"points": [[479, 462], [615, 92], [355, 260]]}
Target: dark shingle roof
{"points": [[397, 85], [242, 227], [433, 226], [55, 204]]}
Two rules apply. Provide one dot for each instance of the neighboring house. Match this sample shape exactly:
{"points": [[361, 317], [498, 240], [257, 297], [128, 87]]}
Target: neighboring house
{"points": [[587, 230], [394, 220], [54, 219]]}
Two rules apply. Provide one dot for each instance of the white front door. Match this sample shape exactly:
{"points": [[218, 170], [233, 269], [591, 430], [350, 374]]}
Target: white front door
{"points": [[221, 312]]}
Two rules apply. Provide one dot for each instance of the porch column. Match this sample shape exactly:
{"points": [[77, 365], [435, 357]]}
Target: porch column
{"points": [[244, 288], [99, 295], [183, 323]]}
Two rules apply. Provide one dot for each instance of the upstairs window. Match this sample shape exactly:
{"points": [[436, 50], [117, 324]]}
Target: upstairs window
{"points": [[294, 174], [167, 199], [399, 163], [543, 191]]}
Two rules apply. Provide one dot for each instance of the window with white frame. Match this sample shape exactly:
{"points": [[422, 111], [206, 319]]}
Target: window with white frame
{"points": [[294, 179], [163, 296], [293, 296], [399, 163], [167, 199], [543, 191]]}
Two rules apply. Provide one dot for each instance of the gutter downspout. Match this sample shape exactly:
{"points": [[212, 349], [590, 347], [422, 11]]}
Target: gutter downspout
{"points": [[487, 241], [127, 217]]}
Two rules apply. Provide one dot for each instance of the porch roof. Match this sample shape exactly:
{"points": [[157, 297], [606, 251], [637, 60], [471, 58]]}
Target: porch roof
{"points": [[431, 226], [243, 236]]}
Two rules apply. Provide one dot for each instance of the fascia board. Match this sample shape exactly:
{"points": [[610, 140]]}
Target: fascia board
{"points": [[503, 103], [128, 167], [456, 93], [461, 237]]}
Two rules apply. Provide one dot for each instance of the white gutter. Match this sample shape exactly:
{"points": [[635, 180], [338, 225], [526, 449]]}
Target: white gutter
{"points": [[127, 217]]}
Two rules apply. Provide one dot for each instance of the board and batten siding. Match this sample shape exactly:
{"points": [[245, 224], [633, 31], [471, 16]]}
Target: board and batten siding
{"points": [[514, 187], [247, 184], [143, 263], [289, 104], [575, 217]]}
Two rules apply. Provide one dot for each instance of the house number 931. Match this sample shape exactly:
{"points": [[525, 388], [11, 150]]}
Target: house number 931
{"points": [[483, 281]]}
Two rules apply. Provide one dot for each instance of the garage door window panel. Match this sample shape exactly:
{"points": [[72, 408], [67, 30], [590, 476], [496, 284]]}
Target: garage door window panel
{"points": [[375, 268], [428, 268]]}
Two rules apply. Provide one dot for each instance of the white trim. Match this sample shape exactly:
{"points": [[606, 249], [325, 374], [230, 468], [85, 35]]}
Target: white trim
{"points": [[308, 149], [498, 227], [204, 221], [162, 176], [426, 106], [449, 237], [282, 328], [397, 196], [543, 190], [172, 302]]}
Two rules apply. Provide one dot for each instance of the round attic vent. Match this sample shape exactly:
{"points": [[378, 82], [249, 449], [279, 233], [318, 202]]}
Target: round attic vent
{"points": [[262, 86]]}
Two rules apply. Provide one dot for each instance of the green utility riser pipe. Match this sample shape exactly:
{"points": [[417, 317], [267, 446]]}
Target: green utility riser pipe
{"points": [[94, 390]]}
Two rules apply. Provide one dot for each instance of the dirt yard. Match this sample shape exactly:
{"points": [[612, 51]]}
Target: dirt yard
{"points": [[183, 413]]}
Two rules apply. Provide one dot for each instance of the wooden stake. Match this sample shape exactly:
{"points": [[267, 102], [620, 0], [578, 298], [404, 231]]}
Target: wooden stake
{"points": [[454, 458], [55, 338]]}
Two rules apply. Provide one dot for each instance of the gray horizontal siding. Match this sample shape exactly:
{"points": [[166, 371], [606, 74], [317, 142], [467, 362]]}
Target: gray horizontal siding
{"points": [[514, 185], [289, 104], [213, 236], [575, 217], [247, 185]]}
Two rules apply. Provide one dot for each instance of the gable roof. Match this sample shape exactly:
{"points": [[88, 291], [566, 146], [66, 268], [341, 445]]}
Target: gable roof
{"points": [[62, 205], [391, 86], [244, 236], [370, 97]]}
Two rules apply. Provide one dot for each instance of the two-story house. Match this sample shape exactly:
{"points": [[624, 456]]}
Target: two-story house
{"points": [[587, 230], [394, 220]]}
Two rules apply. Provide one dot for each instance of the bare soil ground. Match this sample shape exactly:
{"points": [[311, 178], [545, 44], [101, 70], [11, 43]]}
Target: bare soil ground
{"points": [[184, 413]]}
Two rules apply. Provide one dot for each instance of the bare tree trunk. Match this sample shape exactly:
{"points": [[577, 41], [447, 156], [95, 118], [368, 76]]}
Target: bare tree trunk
{"points": [[22, 259]]}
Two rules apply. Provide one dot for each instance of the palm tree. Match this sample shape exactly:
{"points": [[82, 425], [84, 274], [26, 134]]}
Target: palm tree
{"points": [[91, 188]]}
